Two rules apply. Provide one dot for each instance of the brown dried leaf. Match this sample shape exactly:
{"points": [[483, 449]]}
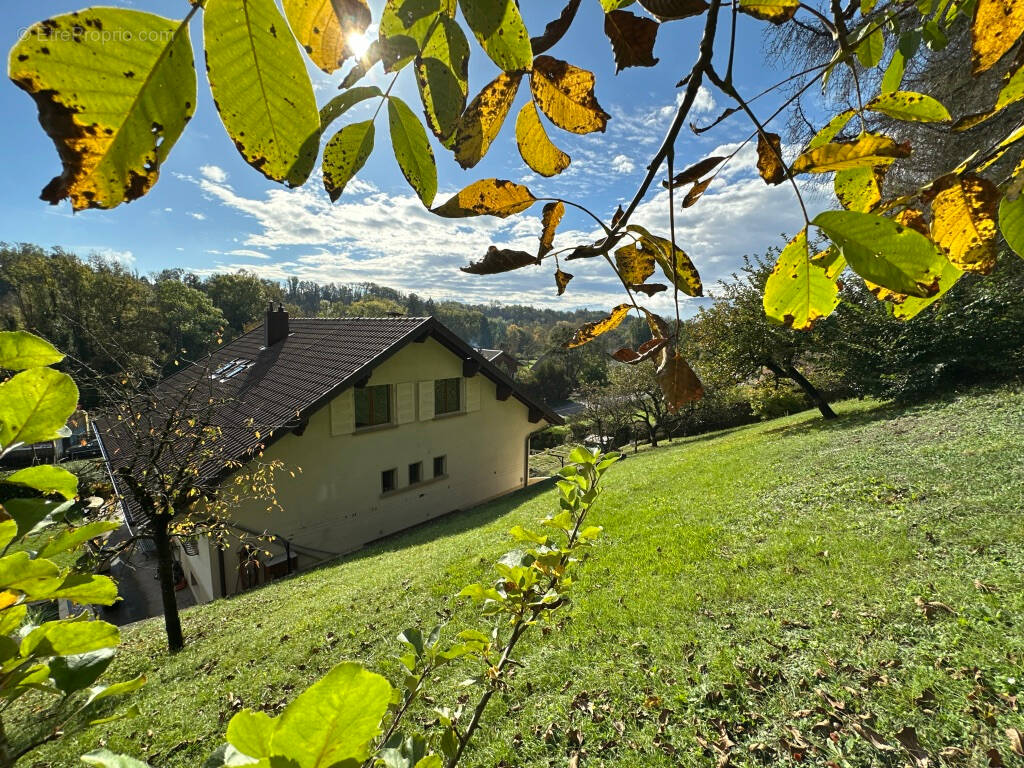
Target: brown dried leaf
{"points": [[671, 10], [591, 331], [695, 171], [645, 351], [584, 252], [907, 737], [562, 280], [650, 288], [480, 123], [1016, 741], [632, 38], [932, 608], [555, 30], [872, 737], [500, 260], [487, 197], [695, 192], [566, 95], [680, 269], [549, 219], [769, 158], [679, 384]]}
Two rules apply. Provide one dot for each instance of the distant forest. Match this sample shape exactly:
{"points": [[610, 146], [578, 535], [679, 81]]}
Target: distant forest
{"points": [[109, 318]]}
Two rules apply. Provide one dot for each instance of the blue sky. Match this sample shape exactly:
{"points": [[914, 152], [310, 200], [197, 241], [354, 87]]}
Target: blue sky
{"points": [[211, 212]]}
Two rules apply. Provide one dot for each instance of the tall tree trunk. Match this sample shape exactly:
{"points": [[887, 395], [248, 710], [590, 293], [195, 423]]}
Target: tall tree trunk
{"points": [[7, 756], [165, 569], [811, 391]]}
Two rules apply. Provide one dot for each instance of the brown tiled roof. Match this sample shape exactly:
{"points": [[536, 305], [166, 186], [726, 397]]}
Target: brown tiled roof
{"points": [[285, 383]]}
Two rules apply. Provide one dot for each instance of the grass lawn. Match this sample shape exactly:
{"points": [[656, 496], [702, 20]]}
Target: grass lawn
{"points": [[756, 594]]}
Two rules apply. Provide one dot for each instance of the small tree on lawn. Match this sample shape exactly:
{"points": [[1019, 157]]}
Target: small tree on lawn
{"points": [[166, 453], [737, 341], [636, 387]]}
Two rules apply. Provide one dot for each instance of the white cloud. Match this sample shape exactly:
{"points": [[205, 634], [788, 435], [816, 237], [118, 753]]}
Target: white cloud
{"points": [[197, 216], [622, 164], [213, 173], [124, 258], [248, 254]]}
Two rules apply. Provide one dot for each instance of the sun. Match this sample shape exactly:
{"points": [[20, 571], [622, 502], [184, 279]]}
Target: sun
{"points": [[358, 43]]}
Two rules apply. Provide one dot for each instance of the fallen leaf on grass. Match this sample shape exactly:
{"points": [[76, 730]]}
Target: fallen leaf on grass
{"points": [[907, 737], [1016, 741], [872, 737], [932, 608]]}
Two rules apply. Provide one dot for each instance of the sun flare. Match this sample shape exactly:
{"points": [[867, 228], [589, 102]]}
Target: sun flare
{"points": [[358, 43]]}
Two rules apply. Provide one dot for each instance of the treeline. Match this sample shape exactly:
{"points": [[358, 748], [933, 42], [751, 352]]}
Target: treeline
{"points": [[107, 317], [752, 369]]}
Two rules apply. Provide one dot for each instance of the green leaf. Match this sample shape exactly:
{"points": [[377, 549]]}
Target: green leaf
{"points": [[1013, 89], [885, 252], [871, 47], [334, 719], [104, 758], [249, 732], [798, 293], [84, 589], [35, 405], [404, 26], [345, 154], [412, 150], [909, 106], [21, 573], [500, 30], [831, 129], [261, 88], [74, 673], [46, 479], [894, 72], [911, 306], [343, 102], [11, 618], [100, 692], [8, 530], [69, 637], [1011, 223], [858, 189], [442, 74], [33, 515], [124, 714], [113, 104], [20, 350], [72, 538]]}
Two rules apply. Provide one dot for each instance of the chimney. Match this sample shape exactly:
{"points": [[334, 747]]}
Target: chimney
{"points": [[275, 328]]}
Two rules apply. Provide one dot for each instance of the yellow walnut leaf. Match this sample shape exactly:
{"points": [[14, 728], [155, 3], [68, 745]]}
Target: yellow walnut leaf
{"points": [[775, 11], [591, 331], [482, 120], [536, 148], [324, 28], [562, 280], [769, 158], [868, 149], [487, 197], [964, 216], [549, 219], [997, 25], [566, 95], [635, 262], [682, 269], [858, 189]]}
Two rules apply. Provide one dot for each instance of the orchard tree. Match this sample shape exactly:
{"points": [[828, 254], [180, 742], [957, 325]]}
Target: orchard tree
{"points": [[114, 127], [165, 449], [736, 342]]}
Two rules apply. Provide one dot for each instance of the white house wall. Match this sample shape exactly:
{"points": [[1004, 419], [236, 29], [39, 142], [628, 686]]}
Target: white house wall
{"points": [[335, 504]]}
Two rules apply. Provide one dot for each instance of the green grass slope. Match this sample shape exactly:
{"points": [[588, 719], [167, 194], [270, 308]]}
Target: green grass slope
{"points": [[754, 595]]}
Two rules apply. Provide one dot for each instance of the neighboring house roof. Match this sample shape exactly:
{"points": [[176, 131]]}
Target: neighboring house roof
{"points": [[493, 355], [275, 389]]}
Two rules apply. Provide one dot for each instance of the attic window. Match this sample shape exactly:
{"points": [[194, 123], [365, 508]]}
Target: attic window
{"points": [[229, 369]]}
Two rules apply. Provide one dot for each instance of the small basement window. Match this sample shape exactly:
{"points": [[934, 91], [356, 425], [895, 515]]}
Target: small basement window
{"points": [[446, 396], [440, 466], [415, 472], [373, 406], [388, 480]]}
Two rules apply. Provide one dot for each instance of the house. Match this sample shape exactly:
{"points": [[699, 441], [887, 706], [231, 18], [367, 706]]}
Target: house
{"points": [[502, 359], [393, 421]]}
